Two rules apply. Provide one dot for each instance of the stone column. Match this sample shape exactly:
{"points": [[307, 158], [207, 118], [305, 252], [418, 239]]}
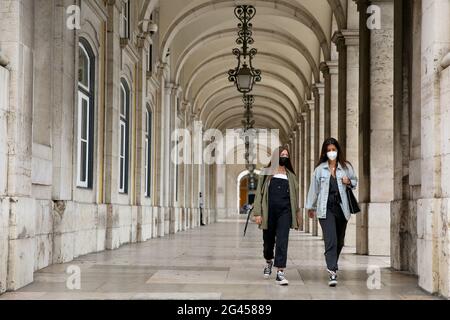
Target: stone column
{"points": [[325, 69], [4, 203], [433, 207], [363, 143], [181, 170], [301, 164], [112, 105], [319, 99], [187, 144], [382, 131], [197, 156], [296, 135], [166, 163], [293, 149], [172, 144], [306, 171], [350, 39], [313, 111], [160, 155], [334, 115], [16, 42], [341, 71]]}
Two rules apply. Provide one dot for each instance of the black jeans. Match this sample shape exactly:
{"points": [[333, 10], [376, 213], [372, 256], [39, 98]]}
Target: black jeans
{"points": [[279, 223], [333, 227]]}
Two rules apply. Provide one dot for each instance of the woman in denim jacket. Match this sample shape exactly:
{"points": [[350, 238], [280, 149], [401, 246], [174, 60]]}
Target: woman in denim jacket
{"points": [[327, 199]]}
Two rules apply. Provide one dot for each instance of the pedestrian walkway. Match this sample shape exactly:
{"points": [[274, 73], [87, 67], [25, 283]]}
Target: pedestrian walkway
{"points": [[217, 262]]}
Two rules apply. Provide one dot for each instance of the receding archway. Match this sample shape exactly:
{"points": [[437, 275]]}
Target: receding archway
{"points": [[244, 195]]}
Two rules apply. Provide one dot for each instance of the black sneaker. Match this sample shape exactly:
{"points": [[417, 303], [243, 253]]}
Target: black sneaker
{"points": [[332, 282], [281, 279], [268, 270]]}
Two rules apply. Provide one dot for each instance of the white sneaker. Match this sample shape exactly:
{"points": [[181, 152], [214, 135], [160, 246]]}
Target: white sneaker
{"points": [[332, 282], [281, 279]]}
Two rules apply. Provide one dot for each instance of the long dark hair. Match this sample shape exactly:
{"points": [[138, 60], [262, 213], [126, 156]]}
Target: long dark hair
{"points": [[340, 153], [274, 158]]}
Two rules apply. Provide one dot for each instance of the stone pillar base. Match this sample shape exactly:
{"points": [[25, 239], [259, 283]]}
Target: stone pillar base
{"points": [[4, 232], [121, 224], [155, 216], [350, 233], [21, 244], [433, 245], [404, 235], [362, 245], [314, 226], [144, 223], [161, 221], [306, 223], [379, 229], [167, 217]]}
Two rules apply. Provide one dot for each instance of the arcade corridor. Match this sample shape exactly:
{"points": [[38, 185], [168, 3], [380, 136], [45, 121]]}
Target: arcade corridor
{"points": [[216, 262]]}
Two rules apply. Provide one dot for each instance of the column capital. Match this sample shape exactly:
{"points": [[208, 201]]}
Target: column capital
{"points": [[170, 86], [311, 105], [351, 37], [323, 67], [291, 137], [184, 106], [163, 70], [339, 40], [176, 90], [445, 63], [194, 116]]}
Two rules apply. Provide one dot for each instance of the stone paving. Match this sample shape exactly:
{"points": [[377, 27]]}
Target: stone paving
{"points": [[217, 262]]}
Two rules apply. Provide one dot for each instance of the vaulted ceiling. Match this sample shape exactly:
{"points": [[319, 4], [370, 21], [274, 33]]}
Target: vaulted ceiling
{"points": [[292, 38]]}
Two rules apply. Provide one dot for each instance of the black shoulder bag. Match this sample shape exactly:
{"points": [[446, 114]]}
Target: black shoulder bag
{"points": [[352, 202]]}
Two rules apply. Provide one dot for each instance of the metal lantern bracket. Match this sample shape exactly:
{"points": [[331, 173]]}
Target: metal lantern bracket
{"points": [[244, 69]]}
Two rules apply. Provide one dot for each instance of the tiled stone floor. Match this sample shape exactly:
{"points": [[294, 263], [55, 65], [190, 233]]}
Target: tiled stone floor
{"points": [[216, 262]]}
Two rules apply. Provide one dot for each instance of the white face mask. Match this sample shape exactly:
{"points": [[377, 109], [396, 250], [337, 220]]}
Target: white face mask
{"points": [[332, 155]]}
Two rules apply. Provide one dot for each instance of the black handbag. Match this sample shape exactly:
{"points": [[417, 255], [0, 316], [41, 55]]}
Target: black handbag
{"points": [[352, 202]]}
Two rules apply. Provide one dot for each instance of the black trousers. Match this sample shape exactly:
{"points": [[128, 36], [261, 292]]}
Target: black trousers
{"points": [[201, 216], [277, 233], [333, 228]]}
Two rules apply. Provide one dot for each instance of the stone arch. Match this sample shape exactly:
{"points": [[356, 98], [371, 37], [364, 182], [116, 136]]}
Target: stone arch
{"points": [[297, 11], [261, 32]]}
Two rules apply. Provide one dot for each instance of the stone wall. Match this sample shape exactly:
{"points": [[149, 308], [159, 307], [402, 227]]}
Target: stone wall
{"points": [[4, 202], [37, 233], [4, 102], [444, 225], [4, 230]]}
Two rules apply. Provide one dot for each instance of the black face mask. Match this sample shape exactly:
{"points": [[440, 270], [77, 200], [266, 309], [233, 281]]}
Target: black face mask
{"points": [[283, 161]]}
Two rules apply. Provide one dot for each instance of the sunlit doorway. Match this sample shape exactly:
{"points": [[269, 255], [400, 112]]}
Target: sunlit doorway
{"points": [[246, 189]]}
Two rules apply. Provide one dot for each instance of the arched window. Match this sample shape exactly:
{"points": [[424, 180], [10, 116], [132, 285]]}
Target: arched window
{"points": [[124, 130], [148, 151], [85, 127]]}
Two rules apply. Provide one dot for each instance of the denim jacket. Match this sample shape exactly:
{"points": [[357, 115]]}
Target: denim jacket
{"points": [[320, 185]]}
